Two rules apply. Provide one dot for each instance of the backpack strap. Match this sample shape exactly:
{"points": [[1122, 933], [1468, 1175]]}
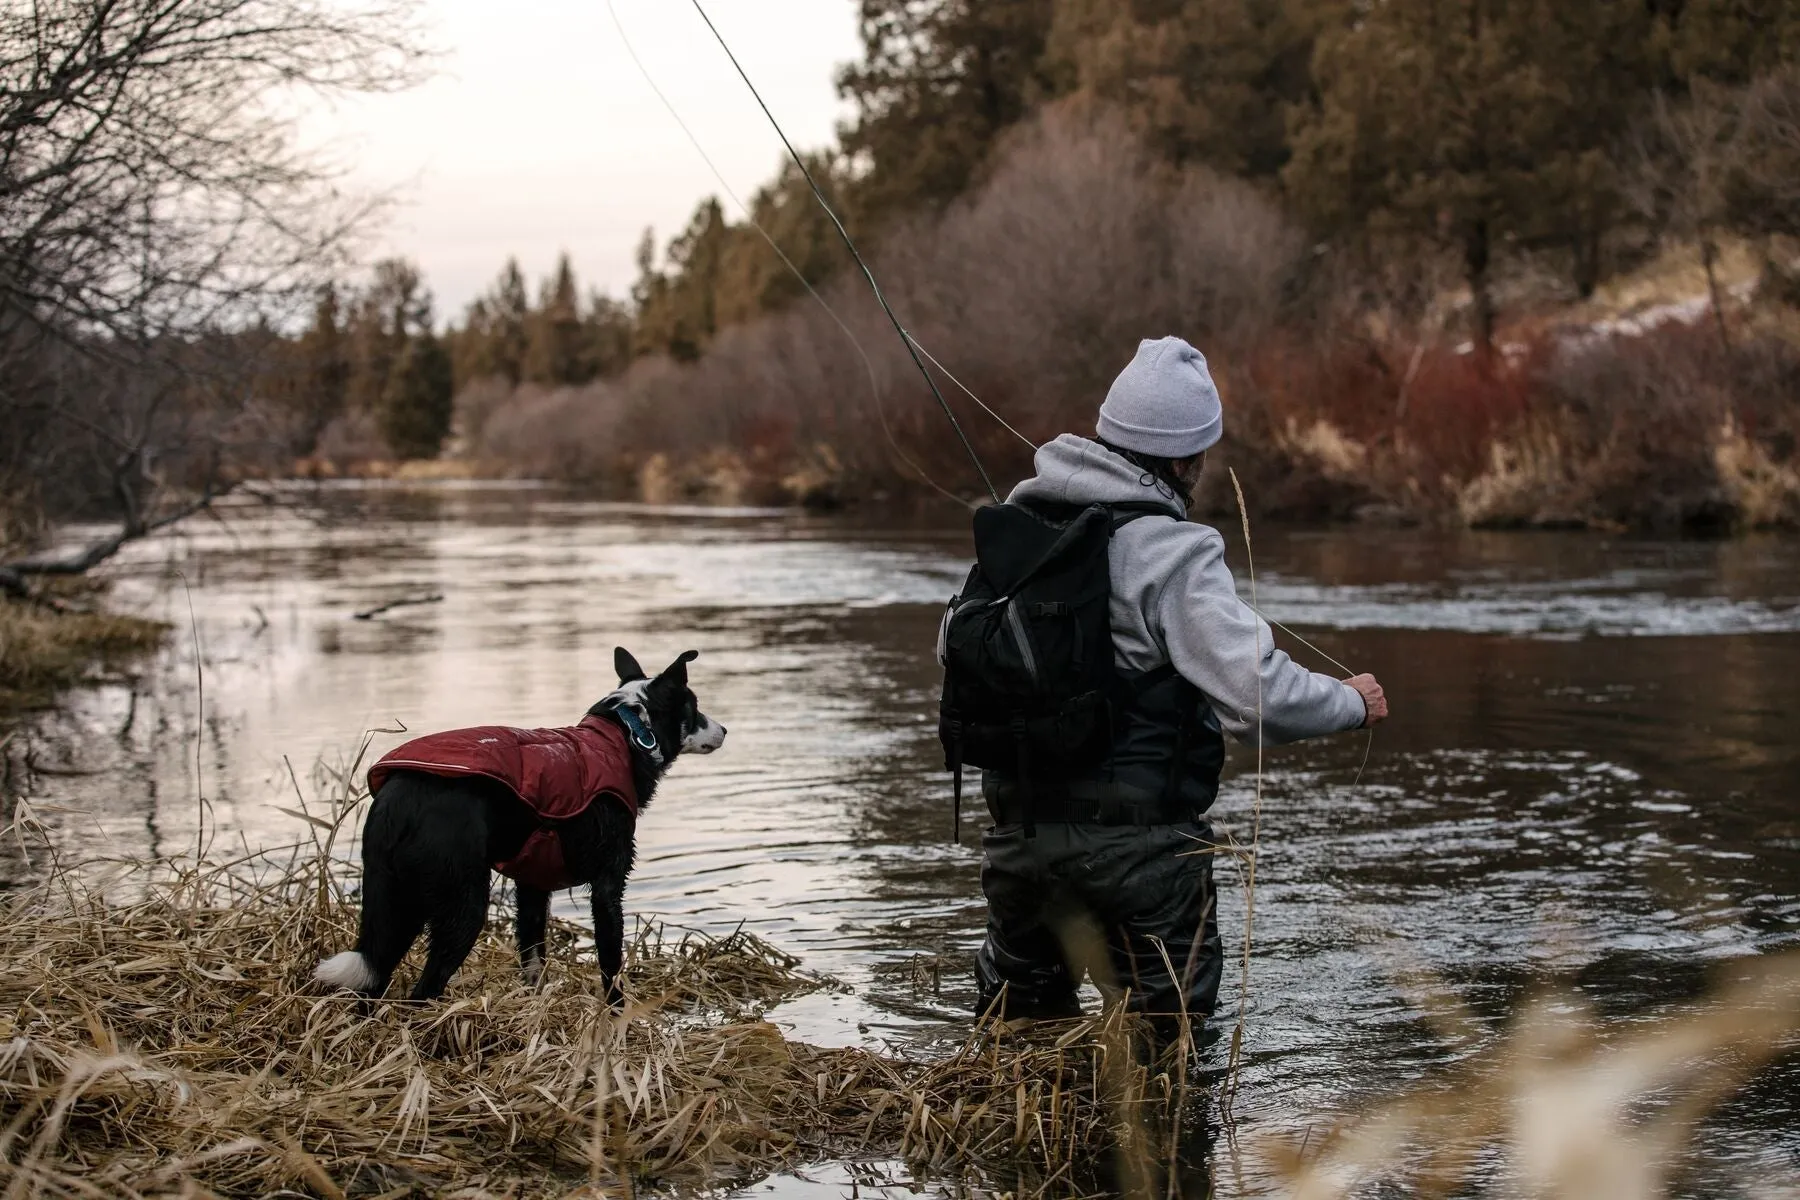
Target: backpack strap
{"points": [[1027, 807], [1124, 514], [956, 772], [1149, 679]]}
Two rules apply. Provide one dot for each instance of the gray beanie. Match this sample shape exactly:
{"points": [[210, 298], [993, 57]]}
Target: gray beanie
{"points": [[1163, 403]]}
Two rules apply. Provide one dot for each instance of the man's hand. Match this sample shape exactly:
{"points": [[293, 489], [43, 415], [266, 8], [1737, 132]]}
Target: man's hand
{"points": [[1374, 699]]}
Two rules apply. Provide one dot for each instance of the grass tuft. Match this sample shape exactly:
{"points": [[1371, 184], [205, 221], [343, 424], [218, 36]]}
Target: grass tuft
{"points": [[44, 650]]}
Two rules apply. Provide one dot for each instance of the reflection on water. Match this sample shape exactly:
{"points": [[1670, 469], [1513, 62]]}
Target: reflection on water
{"points": [[1592, 770]]}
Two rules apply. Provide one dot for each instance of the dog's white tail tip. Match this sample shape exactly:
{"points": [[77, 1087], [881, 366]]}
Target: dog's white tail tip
{"points": [[349, 971]]}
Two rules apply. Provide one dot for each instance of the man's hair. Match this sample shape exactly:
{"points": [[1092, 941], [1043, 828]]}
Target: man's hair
{"points": [[1159, 473]]}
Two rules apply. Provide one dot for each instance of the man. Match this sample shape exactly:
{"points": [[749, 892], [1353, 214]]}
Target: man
{"points": [[1129, 897]]}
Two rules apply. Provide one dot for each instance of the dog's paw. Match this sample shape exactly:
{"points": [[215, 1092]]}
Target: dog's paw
{"points": [[615, 995]]}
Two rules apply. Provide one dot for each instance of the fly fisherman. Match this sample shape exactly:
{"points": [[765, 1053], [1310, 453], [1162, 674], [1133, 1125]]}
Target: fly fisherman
{"points": [[1098, 769]]}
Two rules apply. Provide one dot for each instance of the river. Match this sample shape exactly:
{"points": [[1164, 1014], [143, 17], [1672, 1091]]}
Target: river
{"points": [[1592, 773]]}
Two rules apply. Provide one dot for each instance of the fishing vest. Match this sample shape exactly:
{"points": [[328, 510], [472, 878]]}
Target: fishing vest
{"points": [[1163, 768], [558, 773]]}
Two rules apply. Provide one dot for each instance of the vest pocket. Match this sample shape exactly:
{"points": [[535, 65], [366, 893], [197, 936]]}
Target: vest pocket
{"points": [[1016, 624]]}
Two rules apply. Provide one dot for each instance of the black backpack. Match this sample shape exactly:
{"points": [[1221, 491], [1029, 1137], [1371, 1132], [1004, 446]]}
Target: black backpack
{"points": [[1026, 646]]}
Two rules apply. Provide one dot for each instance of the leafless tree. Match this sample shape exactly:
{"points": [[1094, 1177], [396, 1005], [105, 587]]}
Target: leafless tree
{"points": [[155, 195], [1687, 153], [1767, 199]]}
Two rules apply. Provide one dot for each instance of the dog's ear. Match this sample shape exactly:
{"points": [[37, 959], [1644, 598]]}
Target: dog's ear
{"points": [[676, 675], [626, 666]]}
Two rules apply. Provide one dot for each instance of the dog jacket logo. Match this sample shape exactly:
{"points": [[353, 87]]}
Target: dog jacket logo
{"points": [[557, 772]]}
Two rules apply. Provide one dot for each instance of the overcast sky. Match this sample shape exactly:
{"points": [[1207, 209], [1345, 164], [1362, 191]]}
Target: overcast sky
{"points": [[539, 134]]}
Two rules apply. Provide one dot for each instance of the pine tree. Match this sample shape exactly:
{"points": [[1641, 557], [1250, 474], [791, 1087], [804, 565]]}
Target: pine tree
{"points": [[677, 307], [399, 371], [939, 81], [752, 278], [556, 347], [1207, 80], [384, 316], [322, 385], [1462, 121], [608, 331], [415, 409], [509, 307]]}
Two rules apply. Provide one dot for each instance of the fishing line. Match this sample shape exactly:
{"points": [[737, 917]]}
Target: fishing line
{"points": [[750, 219], [971, 395], [850, 245], [1369, 743]]}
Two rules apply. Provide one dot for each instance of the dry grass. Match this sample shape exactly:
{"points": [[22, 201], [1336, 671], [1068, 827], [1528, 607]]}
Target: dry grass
{"points": [[1578, 1108], [43, 649], [174, 1040], [159, 1035], [171, 1043]]}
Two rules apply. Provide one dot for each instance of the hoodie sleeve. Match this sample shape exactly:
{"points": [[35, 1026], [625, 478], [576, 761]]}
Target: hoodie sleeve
{"points": [[1219, 644]]}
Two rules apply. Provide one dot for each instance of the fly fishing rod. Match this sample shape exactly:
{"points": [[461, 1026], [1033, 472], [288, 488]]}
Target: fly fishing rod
{"points": [[850, 245]]}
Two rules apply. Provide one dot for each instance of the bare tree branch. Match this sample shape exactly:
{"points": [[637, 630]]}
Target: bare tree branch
{"points": [[15, 576], [156, 200]]}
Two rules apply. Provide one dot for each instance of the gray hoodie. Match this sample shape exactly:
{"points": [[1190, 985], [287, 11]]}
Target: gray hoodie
{"points": [[1174, 601]]}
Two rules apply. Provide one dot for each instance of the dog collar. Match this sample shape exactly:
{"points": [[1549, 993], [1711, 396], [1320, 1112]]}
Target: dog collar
{"points": [[640, 733]]}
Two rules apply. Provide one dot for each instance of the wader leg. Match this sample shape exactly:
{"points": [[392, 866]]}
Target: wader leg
{"points": [[1020, 965], [1163, 926]]}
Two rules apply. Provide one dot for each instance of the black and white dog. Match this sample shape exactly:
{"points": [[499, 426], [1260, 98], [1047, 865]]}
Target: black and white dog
{"points": [[550, 807]]}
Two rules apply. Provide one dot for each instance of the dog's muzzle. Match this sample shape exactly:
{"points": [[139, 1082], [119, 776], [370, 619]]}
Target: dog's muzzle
{"points": [[704, 740]]}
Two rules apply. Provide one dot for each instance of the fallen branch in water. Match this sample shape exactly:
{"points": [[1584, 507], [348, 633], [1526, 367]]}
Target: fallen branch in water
{"points": [[401, 603], [15, 576]]}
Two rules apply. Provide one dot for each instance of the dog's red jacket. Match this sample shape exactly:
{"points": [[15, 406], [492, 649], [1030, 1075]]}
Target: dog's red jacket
{"points": [[558, 772]]}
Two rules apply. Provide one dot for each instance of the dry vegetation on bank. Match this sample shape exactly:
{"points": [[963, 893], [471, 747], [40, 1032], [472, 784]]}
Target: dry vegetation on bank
{"points": [[1034, 289], [44, 650], [160, 1037], [174, 1040]]}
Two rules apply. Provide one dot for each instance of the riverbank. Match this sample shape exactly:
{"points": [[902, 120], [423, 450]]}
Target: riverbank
{"points": [[175, 1041], [1653, 425], [45, 650]]}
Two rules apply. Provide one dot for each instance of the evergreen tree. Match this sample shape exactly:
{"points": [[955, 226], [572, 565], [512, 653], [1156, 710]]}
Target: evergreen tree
{"points": [[677, 307], [752, 279], [415, 408], [510, 309], [608, 331], [386, 314], [398, 370], [557, 349], [1458, 120], [939, 81], [322, 383], [1210, 80], [495, 337]]}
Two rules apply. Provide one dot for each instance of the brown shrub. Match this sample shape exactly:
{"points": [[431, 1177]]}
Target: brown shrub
{"points": [[1646, 417], [1668, 430], [351, 442], [1034, 291], [557, 433]]}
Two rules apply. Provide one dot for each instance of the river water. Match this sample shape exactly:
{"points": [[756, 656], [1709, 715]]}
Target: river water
{"points": [[1592, 773]]}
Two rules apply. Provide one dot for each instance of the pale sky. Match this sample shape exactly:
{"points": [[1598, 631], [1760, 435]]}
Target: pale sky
{"points": [[539, 134]]}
